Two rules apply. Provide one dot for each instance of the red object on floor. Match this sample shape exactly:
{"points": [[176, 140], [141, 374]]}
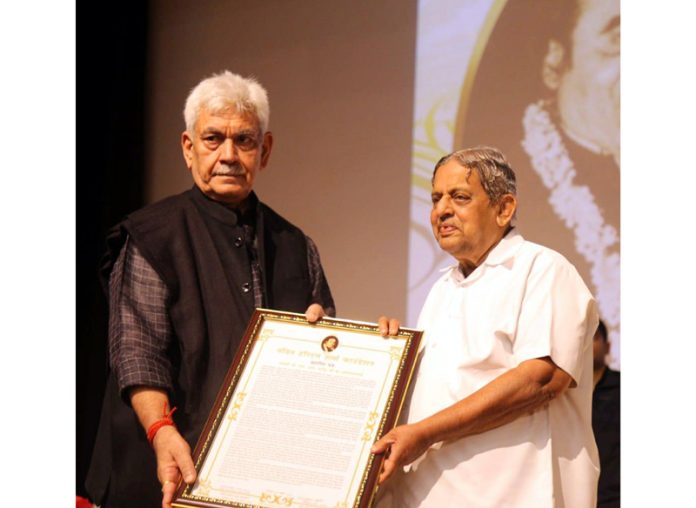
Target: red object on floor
{"points": [[83, 503]]}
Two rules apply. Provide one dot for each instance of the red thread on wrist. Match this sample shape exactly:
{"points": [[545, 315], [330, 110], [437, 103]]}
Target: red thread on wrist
{"points": [[162, 422]]}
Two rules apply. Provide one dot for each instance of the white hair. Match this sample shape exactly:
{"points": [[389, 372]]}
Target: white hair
{"points": [[224, 92]]}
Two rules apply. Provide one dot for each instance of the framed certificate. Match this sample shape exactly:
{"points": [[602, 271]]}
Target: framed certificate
{"points": [[298, 412]]}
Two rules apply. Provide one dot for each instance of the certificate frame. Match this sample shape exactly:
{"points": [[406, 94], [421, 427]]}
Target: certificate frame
{"points": [[336, 349]]}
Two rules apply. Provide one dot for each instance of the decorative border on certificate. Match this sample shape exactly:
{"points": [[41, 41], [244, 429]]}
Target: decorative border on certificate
{"points": [[298, 412]]}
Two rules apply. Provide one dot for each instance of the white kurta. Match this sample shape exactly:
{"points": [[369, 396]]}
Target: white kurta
{"points": [[525, 301]]}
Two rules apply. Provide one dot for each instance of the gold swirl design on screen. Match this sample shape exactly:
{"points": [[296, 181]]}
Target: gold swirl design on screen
{"points": [[475, 60]]}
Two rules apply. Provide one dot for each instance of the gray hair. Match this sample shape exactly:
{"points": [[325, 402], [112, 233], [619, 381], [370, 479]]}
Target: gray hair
{"points": [[494, 171], [224, 92]]}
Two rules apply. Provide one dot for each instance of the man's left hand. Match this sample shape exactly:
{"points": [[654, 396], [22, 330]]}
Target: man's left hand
{"points": [[388, 326], [402, 445], [314, 313]]}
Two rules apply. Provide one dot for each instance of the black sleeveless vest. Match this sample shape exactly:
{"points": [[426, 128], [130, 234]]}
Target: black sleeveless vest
{"points": [[198, 249]]}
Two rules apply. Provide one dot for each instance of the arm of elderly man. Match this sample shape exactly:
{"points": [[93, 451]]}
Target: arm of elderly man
{"points": [[519, 391], [552, 332], [139, 336]]}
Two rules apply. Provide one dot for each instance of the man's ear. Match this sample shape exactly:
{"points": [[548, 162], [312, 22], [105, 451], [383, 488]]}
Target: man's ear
{"points": [[506, 210], [266, 147], [554, 64], [187, 148]]}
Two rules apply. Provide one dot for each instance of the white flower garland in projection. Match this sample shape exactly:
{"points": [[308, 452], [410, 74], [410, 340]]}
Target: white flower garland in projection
{"points": [[574, 204]]}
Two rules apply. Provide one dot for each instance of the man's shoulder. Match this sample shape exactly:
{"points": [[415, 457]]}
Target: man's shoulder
{"points": [[543, 261], [608, 388], [146, 227], [163, 227], [160, 212], [613, 377], [543, 255]]}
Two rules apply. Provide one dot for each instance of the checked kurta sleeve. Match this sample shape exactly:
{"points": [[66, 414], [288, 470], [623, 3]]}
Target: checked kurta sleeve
{"points": [[139, 328]]}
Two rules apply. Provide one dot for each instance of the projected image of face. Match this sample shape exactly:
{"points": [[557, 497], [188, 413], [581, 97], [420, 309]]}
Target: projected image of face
{"points": [[588, 78], [561, 91]]}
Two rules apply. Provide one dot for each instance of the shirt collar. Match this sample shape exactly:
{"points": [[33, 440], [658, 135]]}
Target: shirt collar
{"points": [[504, 251], [224, 213]]}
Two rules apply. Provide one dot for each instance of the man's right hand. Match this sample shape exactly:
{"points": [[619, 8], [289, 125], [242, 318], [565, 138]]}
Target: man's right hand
{"points": [[173, 462], [172, 452], [388, 326], [401, 445]]}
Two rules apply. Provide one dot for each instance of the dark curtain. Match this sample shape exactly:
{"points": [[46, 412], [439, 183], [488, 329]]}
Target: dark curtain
{"points": [[111, 60]]}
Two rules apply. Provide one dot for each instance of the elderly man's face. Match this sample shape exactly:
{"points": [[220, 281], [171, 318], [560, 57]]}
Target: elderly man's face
{"points": [[588, 89], [225, 153], [464, 222]]}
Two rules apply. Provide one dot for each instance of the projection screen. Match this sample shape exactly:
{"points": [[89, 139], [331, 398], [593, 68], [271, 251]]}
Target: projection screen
{"points": [[539, 80]]}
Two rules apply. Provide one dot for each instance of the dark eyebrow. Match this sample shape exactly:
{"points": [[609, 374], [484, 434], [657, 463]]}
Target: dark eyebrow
{"points": [[215, 130], [246, 132], [211, 130], [613, 23], [451, 191]]}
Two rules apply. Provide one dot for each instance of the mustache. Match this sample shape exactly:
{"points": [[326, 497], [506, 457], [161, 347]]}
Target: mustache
{"points": [[234, 169]]}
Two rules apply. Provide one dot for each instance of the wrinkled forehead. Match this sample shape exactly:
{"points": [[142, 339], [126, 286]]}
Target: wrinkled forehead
{"points": [[453, 173], [227, 117]]}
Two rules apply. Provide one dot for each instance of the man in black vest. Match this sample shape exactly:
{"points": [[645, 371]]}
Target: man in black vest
{"points": [[184, 276]]}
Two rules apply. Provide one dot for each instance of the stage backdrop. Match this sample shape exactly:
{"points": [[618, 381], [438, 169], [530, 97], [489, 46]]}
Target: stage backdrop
{"points": [[340, 80], [365, 98]]}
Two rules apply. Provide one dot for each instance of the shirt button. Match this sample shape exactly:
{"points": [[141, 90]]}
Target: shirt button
{"points": [[246, 287], [238, 242]]}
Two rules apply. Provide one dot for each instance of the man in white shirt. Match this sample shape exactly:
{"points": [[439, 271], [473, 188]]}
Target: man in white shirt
{"points": [[499, 413]]}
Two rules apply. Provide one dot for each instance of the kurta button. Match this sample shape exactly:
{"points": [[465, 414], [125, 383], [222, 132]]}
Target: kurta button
{"points": [[246, 287], [238, 242]]}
